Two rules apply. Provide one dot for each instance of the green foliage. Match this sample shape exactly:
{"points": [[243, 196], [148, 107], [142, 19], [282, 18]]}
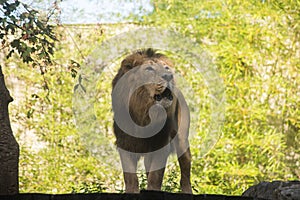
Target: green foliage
{"points": [[53, 158], [24, 31], [255, 46], [257, 53], [93, 187]]}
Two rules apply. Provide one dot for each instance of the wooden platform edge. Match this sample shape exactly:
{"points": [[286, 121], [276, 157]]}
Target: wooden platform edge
{"points": [[143, 195]]}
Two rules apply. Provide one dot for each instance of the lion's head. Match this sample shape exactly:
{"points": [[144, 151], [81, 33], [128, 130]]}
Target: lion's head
{"points": [[148, 77], [157, 82]]}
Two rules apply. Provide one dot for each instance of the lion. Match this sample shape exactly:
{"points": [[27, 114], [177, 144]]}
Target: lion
{"points": [[150, 119]]}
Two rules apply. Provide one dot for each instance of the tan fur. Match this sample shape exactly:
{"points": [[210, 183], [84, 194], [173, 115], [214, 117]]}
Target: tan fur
{"points": [[155, 69]]}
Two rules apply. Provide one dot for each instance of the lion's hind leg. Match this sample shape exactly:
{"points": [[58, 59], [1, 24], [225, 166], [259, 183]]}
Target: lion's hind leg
{"points": [[185, 168]]}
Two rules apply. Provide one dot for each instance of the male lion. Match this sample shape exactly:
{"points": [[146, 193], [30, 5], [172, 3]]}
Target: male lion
{"points": [[151, 119]]}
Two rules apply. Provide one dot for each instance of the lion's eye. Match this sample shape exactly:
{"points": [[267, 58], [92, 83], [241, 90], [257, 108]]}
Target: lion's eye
{"points": [[149, 68], [167, 67]]}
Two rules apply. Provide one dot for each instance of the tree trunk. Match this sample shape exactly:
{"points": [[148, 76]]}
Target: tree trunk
{"points": [[9, 148]]}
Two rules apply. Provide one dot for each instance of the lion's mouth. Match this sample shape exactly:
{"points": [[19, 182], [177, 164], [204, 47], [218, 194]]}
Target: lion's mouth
{"points": [[167, 93]]}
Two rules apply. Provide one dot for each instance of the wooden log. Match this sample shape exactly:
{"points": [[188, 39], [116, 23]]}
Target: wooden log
{"points": [[9, 148]]}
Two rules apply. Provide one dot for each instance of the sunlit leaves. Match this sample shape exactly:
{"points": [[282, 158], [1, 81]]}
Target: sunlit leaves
{"points": [[26, 32], [256, 46]]}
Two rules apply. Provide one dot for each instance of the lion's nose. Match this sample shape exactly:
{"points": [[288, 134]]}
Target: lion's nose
{"points": [[167, 76]]}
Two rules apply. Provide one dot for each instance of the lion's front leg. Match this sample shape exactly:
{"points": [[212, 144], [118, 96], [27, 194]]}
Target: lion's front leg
{"points": [[155, 164], [131, 182], [129, 165], [154, 179]]}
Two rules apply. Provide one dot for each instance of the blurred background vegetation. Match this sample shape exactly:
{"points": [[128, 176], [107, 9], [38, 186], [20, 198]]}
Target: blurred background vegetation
{"points": [[255, 46]]}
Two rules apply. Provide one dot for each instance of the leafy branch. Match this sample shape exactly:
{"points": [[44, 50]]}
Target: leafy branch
{"points": [[25, 31]]}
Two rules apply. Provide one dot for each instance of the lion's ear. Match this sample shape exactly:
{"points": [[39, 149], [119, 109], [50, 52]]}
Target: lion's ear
{"points": [[127, 64]]}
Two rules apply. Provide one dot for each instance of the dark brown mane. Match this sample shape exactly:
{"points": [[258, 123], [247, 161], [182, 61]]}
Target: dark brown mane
{"points": [[149, 53]]}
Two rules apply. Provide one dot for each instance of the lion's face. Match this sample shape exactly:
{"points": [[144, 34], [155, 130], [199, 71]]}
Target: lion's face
{"points": [[160, 81], [144, 79]]}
